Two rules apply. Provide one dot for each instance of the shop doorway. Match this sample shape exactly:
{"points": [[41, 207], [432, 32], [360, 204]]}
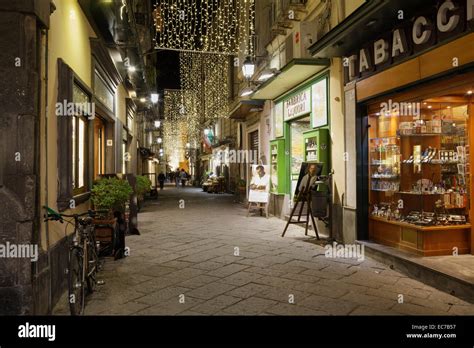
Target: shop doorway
{"points": [[99, 147], [297, 128]]}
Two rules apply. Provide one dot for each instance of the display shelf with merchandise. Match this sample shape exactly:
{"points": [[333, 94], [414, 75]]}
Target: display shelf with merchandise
{"points": [[419, 177], [317, 148], [277, 167]]}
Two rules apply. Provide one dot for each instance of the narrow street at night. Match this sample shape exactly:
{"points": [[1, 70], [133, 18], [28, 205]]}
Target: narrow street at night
{"points": [[191, 252], [236, 171]]}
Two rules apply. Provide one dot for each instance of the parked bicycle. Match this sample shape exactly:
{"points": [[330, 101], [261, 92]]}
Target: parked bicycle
{"points": [[83, 260]]}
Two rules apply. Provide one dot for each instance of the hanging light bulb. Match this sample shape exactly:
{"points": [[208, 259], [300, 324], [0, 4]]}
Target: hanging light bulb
{"points": [[248, 68]]}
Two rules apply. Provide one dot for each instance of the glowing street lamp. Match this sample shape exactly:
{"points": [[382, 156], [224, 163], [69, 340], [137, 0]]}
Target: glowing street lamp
{"points": [[248, 68]]}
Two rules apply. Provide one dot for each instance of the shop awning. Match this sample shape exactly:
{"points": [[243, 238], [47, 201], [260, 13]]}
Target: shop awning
{"points": [[245, 107], [294, 73], [376, 16]]}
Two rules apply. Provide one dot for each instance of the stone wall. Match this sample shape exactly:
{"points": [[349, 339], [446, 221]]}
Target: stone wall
{"points": [[19, 126]]}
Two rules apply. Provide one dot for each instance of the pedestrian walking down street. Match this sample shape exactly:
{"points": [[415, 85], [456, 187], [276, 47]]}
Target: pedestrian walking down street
{"points": [[161, 179], [177, 177], [184, 177]]}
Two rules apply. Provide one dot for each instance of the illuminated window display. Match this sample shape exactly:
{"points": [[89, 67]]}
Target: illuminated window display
{"points": [[419, 171]]}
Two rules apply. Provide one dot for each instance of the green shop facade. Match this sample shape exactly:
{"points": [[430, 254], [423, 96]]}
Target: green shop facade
{"points": [[301, 133]]}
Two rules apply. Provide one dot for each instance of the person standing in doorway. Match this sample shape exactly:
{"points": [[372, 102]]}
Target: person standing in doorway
{"points": [[161, 180]]}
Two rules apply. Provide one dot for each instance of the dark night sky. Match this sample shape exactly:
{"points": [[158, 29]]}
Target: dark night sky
{"points": [[168, 63], [168, 70]]}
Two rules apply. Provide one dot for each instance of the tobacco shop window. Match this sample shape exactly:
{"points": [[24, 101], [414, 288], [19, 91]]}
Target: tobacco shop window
{"points": [[79, 141], [419, 169]]}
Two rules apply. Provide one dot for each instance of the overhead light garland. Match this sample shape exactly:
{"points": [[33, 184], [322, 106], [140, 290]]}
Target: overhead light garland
{"points": [[179, 126], [206, 32], [205, 81], [212, 26]]}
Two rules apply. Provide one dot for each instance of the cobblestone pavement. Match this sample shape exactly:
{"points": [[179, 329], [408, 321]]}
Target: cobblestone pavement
{"points": [[184, 263]]}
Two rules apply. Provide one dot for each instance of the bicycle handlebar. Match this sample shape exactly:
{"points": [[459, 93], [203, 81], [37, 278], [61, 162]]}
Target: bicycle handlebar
{"points": [[53, 215]]}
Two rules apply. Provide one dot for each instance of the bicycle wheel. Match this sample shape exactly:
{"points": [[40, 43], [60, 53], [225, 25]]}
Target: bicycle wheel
{"points": [[75, 282], [93, 263]]}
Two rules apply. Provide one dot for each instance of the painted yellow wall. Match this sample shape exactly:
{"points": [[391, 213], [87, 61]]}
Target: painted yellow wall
{"points": [[336, 106], [69, 40], [352, 5], [120, 104]]}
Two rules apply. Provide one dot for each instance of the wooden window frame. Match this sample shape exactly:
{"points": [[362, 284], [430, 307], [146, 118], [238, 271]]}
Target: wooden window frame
{"points": [[83, 189], [66, 193]]}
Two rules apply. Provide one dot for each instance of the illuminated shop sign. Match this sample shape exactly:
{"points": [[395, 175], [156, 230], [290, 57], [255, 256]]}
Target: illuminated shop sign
{"points": [[298, 105], [424, 31]]}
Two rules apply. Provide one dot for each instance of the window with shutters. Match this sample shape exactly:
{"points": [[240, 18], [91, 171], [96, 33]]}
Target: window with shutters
{"points": [[253, 145], [79, 136], [73, 140]]}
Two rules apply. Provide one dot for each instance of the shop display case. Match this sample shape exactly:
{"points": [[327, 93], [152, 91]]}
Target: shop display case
{"points": [[419, 179], [278, 166], [317, 148]]}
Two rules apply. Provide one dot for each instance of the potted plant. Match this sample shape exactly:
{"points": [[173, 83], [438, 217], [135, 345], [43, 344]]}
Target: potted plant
{"points": [[242, 188], [143, 186], [109, 196]]}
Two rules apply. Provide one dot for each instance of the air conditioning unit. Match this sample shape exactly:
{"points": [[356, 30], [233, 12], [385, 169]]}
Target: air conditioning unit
{"points": [[299, 41]]}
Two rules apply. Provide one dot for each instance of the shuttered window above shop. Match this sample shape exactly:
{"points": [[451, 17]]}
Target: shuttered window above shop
{"points": [[253, 141]]}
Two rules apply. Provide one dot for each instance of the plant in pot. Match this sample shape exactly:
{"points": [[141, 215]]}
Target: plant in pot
{"points": [[242, 187], [143, 186], [109, 196]]}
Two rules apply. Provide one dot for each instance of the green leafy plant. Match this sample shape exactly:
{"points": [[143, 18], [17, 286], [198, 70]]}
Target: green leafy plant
{"points": [[111, 194], [241, 183], [143, 185]]}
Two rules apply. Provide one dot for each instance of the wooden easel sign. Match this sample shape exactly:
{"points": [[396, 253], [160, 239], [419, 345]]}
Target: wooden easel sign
{"points": [[307, 181], [259, 189]]}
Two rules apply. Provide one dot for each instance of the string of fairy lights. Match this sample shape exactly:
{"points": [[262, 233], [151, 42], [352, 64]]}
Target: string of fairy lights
{"points": [[207, 33], [174, 126], [218, 26], [204, 78]]}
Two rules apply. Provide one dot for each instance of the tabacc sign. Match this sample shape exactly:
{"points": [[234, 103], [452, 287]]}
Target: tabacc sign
{"points": [[449, 18], [298, 105]]}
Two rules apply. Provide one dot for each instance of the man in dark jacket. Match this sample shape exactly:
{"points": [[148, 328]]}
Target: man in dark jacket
{"points": [[161, 180]]}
